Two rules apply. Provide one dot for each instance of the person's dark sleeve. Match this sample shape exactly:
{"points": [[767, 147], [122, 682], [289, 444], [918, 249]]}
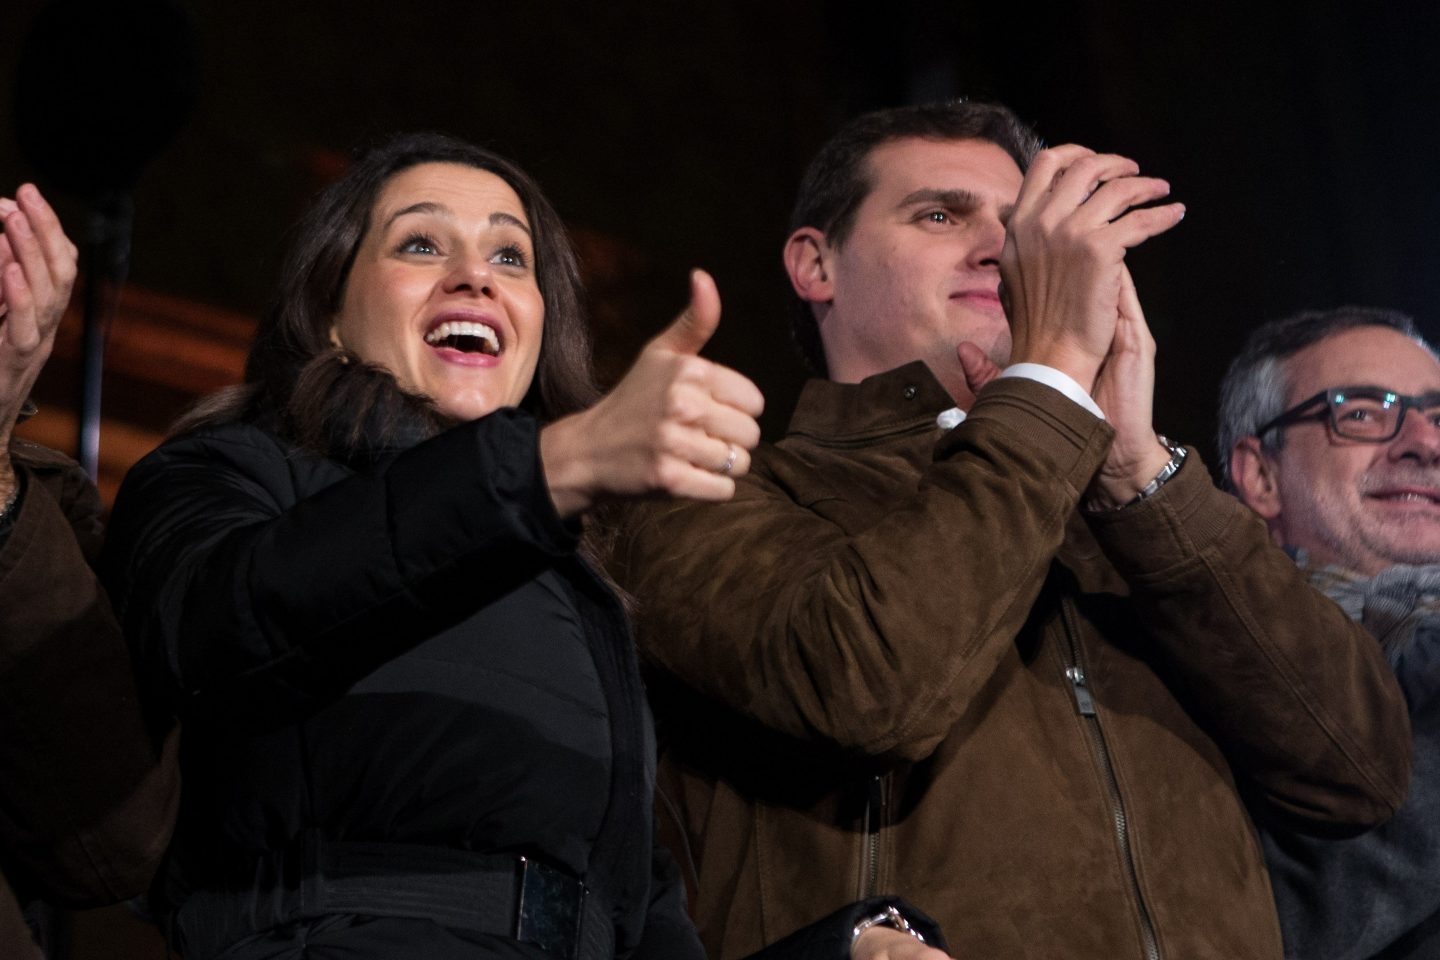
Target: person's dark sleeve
{"points": [[1355, 897], [17, 942], [87, 798], [857, 641], [830, 937], [669, 933], [251, 609]]}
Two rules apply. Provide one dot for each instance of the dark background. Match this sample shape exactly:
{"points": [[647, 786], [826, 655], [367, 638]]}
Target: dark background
{"points": [[1301, 137]]}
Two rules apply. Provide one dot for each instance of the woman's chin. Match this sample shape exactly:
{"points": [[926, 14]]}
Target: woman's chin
{"points": [[465, 409]]}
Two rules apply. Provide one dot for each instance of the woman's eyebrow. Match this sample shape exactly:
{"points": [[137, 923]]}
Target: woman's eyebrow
{"points": [[498, 218], [424, 206]]}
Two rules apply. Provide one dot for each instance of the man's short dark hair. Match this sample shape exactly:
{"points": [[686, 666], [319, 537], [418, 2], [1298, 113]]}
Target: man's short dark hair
{"points": [[1254, 388], [839, 178]]}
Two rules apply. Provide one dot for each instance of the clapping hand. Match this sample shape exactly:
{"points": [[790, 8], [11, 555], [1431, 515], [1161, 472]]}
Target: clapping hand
{"points": [[37, 270], [1065, 242], [1125, 390]]}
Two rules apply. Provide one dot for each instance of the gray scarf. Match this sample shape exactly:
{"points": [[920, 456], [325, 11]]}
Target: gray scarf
{"points": [[1400, 607]]}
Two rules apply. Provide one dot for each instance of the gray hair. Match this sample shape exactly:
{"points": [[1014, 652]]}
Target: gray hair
{"points": [[1253, 390]]}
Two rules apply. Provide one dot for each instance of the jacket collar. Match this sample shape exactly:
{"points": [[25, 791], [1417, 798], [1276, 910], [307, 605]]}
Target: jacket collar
{"points": [[902, 397], [909, 397]]}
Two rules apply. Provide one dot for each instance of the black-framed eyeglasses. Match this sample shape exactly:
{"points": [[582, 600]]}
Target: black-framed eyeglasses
{"points": [[1367, 413]]}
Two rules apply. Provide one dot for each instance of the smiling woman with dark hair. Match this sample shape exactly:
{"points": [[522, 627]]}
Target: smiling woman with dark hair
{"points": [[413, 723]]}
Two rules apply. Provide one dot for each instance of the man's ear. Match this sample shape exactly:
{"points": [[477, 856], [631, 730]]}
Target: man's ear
{"points": [[806, 256], [1252, 473]]}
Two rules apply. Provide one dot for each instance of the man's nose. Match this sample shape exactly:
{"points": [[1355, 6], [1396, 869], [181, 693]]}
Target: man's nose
{"points": [[989, 240], [1419, 438]]}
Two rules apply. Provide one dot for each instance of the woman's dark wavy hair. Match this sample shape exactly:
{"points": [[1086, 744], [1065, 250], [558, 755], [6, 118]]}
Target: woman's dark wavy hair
{"points": [[329, 400]]}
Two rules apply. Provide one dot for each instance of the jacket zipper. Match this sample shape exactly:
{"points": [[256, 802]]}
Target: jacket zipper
{"points": [[1085, 703], [875, 810]]}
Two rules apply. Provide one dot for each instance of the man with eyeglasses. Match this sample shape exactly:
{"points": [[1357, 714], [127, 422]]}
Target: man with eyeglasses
{"points": [[1330, 430]]}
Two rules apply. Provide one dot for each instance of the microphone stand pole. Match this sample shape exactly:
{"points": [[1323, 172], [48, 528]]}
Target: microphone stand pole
{"points": [[107, 256]]}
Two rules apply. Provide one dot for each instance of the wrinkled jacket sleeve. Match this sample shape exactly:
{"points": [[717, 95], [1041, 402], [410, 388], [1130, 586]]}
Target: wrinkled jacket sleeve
{"points": [[1352, 898], [1298, 695], [252, 609], [86, 796], [874, 641], [879, 641]]}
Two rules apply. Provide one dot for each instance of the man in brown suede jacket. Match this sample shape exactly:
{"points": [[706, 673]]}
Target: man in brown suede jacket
{"points": [[86, 799], [1017, 670]]}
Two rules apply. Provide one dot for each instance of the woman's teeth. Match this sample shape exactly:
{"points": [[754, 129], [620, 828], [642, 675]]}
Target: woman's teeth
{"points": [[466, 336]]}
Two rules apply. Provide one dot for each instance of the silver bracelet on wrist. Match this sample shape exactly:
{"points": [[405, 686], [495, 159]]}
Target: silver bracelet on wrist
{"points": [[889, 917], [1177, 457], [1172, 465]]}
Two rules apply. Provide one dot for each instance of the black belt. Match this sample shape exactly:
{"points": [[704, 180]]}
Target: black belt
{"points": [[497, 894]]}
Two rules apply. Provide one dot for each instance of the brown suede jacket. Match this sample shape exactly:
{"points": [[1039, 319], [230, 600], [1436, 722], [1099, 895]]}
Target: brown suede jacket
{"points": [[86, 800], [903, 661]]}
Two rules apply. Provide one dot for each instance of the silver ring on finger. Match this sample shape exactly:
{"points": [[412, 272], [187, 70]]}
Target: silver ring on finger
{"points": [[730, 454]]}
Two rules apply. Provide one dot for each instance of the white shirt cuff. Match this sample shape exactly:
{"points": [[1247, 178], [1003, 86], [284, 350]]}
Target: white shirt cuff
{"points": [[1058, 380]]}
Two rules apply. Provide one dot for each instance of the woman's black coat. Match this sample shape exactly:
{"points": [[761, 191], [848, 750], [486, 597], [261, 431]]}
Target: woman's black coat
{"points": [[348, 648]]}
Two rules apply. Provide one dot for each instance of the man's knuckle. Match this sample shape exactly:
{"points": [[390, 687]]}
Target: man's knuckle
{"points": [[1095, 245]]}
